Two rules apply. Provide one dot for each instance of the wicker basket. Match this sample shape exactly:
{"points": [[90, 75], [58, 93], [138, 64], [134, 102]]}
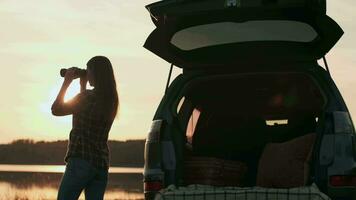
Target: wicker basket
{"points": [[213, 171]]}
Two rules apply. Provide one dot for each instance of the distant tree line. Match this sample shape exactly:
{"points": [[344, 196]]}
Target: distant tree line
{"points": [[123, 153]]}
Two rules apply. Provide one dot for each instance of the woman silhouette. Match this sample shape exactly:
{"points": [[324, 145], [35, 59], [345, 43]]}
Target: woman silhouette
{"points": [[93, 113]]}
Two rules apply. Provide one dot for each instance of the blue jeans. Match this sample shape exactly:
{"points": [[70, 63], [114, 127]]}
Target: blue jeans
{"points": [[81, 175]]}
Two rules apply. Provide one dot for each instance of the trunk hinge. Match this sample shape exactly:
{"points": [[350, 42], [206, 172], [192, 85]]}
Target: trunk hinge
{"points": [[169, 79], [326, 65]]}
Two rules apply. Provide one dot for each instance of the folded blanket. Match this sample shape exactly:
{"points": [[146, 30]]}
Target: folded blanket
{"points": [[205, 192]]}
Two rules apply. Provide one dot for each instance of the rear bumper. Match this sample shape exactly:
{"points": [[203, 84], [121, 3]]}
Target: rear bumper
{"points": [[341, 193]]}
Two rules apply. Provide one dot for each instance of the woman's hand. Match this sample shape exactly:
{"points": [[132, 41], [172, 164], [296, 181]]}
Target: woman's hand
{"points": [[71, 74]]}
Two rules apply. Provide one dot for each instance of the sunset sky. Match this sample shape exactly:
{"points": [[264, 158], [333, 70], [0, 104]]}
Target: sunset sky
{"points": [[39, 37]]}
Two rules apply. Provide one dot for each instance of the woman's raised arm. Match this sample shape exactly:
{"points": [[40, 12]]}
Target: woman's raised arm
{"points": [[59, 107]]}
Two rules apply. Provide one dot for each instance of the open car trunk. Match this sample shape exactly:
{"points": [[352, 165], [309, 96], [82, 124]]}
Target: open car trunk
{"points": [[219, 33], [244, 126]]}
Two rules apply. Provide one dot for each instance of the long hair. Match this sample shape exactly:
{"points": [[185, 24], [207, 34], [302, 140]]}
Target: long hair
{"points": [[105, 84]]}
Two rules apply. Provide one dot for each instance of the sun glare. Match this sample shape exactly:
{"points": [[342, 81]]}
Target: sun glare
{"points": [[73, 90]]}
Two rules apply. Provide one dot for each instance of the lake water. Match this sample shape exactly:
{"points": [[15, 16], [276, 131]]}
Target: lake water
{"points": [[40, 182], [60, 169]]}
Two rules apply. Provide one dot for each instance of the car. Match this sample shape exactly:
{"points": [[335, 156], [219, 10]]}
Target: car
{"points": [[250, 82]]}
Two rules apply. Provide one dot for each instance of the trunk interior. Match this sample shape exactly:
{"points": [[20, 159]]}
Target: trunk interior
{"points": [[249, 126]]}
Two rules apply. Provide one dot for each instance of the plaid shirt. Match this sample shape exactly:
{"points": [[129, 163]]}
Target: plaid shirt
{"points": [[89, 135]]}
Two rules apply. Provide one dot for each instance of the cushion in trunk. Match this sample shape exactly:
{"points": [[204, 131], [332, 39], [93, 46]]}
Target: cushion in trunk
{"points": [[286, 165]]}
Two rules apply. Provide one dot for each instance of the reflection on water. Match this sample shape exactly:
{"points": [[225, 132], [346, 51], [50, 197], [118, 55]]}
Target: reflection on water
{"points": [[40, 186], [59, 169]]}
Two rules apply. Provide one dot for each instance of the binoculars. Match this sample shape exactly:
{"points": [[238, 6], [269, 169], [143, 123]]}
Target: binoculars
{"points": [[78, 72]]}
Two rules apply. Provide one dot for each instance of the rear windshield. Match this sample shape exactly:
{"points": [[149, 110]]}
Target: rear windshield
{"points": [[231, 32], [235, 114], [272, 96]]}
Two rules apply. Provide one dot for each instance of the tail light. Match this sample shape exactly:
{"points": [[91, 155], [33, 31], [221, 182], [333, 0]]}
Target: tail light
{"points": [[153, 186], [342, 181]]}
